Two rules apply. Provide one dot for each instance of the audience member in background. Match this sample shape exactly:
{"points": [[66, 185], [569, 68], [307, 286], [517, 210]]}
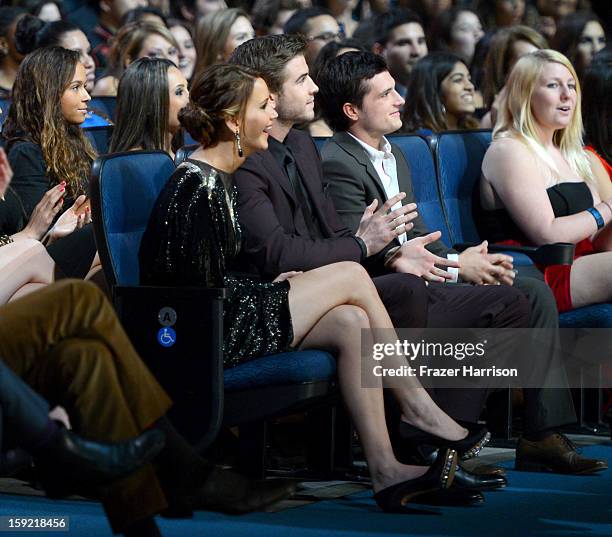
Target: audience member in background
{"points": [[109, 14], [440, 96], [552, 11], [9, 57], [149, 14], [427, 10], [187, 51], [457, 31], [135, 41], [502, 13], [151, 93], [32, 33], [402, 43], [193, 10], [579, 36], [45, 143], [193, 237], [342, 11], [48, 11], [507, 47], [270, 16], [540, 186], [318, 26], [218, 34], [67, 343], [319, 127], [597, 108]]}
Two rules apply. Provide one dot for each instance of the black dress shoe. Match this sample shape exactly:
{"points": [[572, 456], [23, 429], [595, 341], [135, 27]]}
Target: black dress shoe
{"points": [[452, 497], [70, 464], [468, 447], [466, 480], [439, 476]]}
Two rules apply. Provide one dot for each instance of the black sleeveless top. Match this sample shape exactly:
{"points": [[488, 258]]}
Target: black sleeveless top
{"points": [[497, 225]]}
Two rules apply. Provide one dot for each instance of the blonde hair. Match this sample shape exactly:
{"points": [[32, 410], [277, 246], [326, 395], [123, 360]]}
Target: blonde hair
{"points": [[515, 117]]}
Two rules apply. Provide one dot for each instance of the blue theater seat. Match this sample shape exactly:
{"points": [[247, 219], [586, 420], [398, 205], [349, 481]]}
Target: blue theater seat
{"points": [[124, 188]]}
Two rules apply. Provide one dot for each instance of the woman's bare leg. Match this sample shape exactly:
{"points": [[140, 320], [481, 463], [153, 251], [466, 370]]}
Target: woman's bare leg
{"points": [[23, 262], [591, 279], [340, 330], [316, 292], [96, 266]]}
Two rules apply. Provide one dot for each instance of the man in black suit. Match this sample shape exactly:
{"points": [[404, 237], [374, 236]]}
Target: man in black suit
{"points": [[359, 102]]}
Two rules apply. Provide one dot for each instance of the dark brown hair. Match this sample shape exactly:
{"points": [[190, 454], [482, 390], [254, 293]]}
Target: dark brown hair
{"points": [[142, 107], [36, 114], [424, 108], [220, 91]]}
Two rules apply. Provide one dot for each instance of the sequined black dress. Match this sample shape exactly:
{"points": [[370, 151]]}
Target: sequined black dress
{"points": [[192, 239]]}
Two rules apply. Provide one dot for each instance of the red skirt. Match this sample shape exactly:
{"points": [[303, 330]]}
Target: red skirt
{"points": [[558, 276]]}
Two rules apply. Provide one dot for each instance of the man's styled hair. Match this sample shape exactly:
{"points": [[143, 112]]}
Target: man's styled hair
{"points": [[394, 18], [345, 80], [268, 56]]}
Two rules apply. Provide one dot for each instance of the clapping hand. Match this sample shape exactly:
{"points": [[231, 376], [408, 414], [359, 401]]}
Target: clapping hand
{"points": [[379, 228], [413, 258], [75, 217]]}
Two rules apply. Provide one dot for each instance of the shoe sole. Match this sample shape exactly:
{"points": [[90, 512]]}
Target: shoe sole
{"points": [[537, 467]]}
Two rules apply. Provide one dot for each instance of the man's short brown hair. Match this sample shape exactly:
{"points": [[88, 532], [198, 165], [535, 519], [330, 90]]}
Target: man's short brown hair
{"points": [[268, 56]]}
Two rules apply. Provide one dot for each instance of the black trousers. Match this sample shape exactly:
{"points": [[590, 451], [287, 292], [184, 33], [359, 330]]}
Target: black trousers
{"points": [[23, 413], [529, 303]]}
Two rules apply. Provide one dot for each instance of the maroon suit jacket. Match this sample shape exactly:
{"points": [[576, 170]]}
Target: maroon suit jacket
{"points": [[276, 238]]}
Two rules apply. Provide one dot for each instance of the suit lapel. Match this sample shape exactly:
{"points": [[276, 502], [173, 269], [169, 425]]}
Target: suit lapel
{"points": [[352, 147], [278, 175]]}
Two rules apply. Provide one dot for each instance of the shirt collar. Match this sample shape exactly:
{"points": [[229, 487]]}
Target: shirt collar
{"points": [[375, 154], [278, 150]]}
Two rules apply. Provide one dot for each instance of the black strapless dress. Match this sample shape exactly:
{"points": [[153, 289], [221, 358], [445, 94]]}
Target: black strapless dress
{"points": [[566, 199], [192, 238]]}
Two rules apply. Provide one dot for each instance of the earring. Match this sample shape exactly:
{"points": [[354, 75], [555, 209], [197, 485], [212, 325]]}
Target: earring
{"points": [[238, 146], [444, 109]]}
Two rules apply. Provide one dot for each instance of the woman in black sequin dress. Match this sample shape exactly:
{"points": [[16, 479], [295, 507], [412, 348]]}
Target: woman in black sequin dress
{"points": [[193, 237]]}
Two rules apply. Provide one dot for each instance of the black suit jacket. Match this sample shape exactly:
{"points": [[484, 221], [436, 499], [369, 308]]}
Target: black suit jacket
{"points": [[353, 183], [276, 238]]}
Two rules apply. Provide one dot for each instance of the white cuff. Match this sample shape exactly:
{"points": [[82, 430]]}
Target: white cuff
{"points": [[453, 271]]}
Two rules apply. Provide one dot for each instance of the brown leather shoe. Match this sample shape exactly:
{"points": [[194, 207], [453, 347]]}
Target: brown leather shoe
{"points": [[555, 453]]}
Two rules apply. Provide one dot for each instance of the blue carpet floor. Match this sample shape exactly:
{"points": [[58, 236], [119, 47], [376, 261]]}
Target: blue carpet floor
{"points": [[533, 505]]}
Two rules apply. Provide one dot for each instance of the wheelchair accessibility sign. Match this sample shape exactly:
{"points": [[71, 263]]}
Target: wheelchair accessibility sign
{"points": [[166, 336]]}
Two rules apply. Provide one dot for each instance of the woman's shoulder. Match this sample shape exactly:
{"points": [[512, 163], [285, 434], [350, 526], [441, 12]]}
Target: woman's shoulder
{"points": [[24, 153]]}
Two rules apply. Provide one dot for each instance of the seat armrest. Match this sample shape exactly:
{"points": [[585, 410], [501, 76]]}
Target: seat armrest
{"points": [[558, 253], [178, 332]]}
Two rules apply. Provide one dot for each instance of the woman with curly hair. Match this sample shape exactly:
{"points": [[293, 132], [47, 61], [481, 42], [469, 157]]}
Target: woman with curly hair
{"points": [[46, 146]]}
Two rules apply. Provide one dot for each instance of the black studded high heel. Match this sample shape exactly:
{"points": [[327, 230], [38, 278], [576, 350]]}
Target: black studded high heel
{"points": [[439, 476], [468, 447]]}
